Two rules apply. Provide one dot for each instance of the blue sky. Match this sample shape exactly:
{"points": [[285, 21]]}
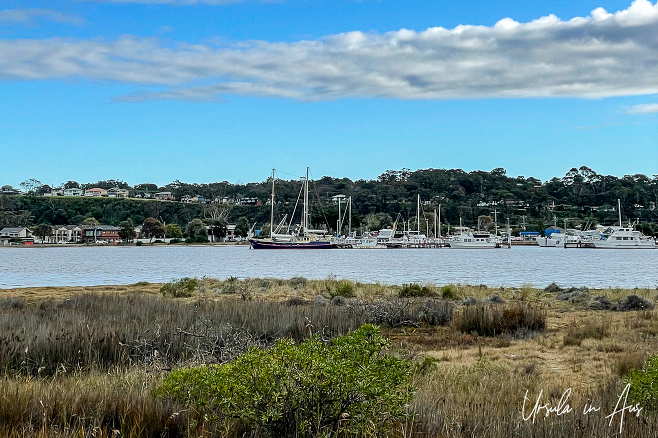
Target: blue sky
{"points": [[205, 90]]}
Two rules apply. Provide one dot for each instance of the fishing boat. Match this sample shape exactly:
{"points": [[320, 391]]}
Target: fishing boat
{"points": [[303, 237]]}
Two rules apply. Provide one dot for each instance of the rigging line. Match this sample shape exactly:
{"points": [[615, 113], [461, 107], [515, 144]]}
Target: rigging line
{"points": [[315, 188], [289, 174]]}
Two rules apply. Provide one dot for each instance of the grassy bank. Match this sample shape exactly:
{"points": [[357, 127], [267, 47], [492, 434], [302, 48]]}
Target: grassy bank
{"points": [[85, 361]]}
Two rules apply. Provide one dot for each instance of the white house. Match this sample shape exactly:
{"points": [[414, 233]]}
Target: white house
{"points": [[73, 191]]}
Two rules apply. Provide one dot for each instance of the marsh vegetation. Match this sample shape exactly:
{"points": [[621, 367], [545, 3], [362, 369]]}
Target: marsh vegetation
{"points": [[93, 362]]}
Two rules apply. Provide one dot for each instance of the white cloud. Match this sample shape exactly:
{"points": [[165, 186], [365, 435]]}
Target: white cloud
{"points": [[645, 108], [29, 16], [604, 54]]}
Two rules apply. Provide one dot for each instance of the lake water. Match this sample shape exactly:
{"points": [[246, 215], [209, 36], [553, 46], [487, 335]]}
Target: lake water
{"points": [[85, 266]]}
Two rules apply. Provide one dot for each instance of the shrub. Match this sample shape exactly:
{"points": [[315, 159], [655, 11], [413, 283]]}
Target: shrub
{"points": [[629, 361], [346, 387], [180, 288], [591, 329], [496, 320], [643, 384], [448, 292], [635, 302], [175, 240], [525, 292], [414, 290], [342, 288], [138, 243]]}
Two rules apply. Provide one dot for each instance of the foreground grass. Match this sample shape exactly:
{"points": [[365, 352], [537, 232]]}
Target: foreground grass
{"points": [[86, 365]]}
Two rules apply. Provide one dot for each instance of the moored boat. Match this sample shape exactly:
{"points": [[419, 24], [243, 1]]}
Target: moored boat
{"points": [[303, 238]]}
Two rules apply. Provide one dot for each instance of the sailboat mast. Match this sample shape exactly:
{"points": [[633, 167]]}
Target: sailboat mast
{"points": [[439, 220], [272, 208], [435, 235], [305, 223], [418, 214], [619, 209], [349, 226]]}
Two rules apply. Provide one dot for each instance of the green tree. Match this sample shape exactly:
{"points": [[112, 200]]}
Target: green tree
{"points": [[242, 227], [173, 231], [153, 228], [217, 228], [78, 219], [31, 186], [348, 387], [42, 231], [90, 221], [196, 231], [127, 230]]}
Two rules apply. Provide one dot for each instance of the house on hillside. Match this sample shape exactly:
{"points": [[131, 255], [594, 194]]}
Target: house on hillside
{"points": [[15, 235], [73, 191], [117, 193], [96, 192], [164, 196], [9, 190]]}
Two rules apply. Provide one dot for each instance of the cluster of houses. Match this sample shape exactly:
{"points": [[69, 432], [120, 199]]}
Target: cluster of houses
{"points": [[99, 234], [126, 193]]}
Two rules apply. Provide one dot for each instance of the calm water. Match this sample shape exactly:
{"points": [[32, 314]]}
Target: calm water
{"points": [[80, 266]]}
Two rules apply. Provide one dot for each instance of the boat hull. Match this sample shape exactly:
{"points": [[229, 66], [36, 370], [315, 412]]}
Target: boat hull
{"points": [[613, 245], [257, 244], [474, 245]]}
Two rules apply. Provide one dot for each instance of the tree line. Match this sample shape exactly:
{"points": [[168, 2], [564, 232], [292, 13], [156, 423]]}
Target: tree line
{"points": [[580, 198]]}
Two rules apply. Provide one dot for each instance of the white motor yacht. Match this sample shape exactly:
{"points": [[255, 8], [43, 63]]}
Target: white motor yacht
{"points": [[469, 239], [626, 238]]}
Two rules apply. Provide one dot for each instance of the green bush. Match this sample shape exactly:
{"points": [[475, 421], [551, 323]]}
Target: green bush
{"points": [[138, 243], [348, 387], [448, 292], [342, 288], [643, 384], [415, 290], [179, 288]]}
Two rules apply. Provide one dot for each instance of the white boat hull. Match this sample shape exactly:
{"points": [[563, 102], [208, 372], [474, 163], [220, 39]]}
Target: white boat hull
{"points": [[624, 245], [472, 245]]}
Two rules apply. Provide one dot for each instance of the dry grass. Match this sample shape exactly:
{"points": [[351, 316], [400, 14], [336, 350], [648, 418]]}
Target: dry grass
{"points": [[475, 388]]}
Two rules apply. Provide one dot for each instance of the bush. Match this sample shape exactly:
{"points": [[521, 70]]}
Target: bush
{"points": [[348, 387], [414, 290], [175, 240], [590, 329], [448, 292], [138, 243], [180, 288], [643, 384], [634, 302], [496, 320], [342, 288]]}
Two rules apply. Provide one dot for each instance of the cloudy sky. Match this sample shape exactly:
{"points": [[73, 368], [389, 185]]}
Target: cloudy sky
{"points": [[212, 90]]}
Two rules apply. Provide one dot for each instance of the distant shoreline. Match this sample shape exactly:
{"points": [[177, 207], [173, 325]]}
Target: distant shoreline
{"points": [[150, 245]]}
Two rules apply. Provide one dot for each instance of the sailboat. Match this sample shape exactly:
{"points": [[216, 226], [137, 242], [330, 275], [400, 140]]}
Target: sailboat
{"points": [[302, 238]]}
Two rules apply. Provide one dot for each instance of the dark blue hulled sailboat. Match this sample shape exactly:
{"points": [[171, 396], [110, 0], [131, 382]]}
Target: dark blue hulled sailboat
{"points": [[305, 238]]}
